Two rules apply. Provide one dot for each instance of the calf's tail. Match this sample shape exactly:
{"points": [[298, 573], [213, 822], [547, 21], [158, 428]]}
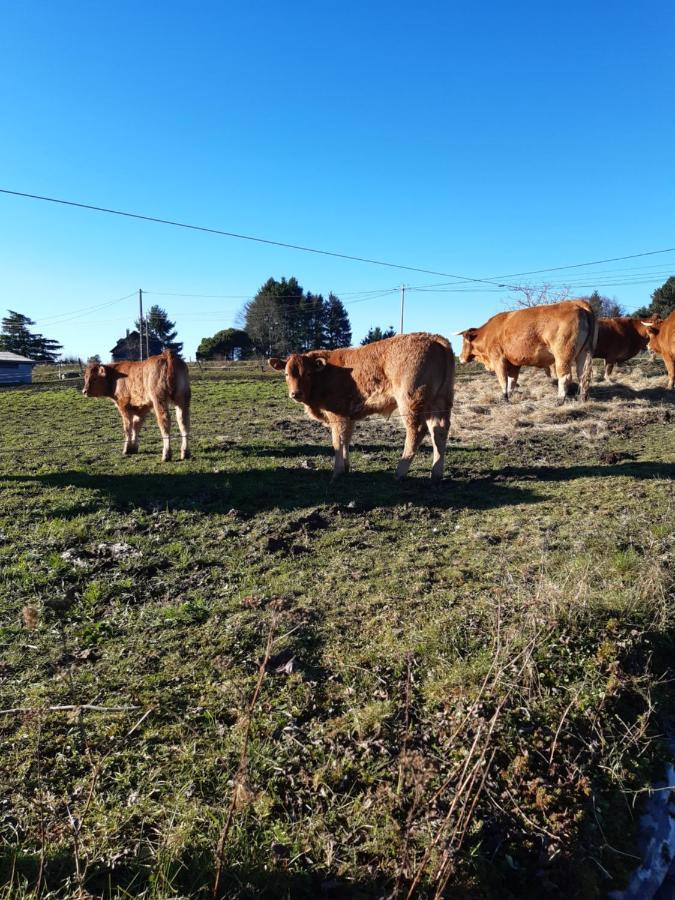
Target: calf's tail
{"points": [[177, 378]]}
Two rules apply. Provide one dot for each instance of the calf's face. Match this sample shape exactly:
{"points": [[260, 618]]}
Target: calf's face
{"points": [[96, 382], [299, 371]]}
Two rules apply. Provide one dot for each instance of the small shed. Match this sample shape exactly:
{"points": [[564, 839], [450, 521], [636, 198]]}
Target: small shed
{"points": [[15, 369]]}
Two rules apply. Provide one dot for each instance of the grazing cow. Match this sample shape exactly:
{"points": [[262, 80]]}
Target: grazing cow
{"points": [[138, 387], [619, 338], [557, 334], [411, 373], [662, 340]]}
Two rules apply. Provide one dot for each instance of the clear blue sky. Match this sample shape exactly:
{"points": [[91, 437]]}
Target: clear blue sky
{"points": [[480, 139]]}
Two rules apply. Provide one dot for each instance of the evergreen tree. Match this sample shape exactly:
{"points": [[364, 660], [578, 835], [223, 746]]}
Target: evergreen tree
{"points": [[230, 343], [377, 334], [283, 319], [161, 328], [663, 302], [17, 337], [338, 330]]}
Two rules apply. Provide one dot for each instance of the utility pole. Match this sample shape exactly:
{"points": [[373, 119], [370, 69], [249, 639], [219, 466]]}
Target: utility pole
{"points": [[140, 322], [402, 307], [147, 339]]}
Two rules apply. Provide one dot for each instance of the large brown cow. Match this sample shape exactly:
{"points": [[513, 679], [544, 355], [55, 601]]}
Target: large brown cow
{"points": [[411, 373], [662, 340], [560, 334], [619, 338], [138, 387]]}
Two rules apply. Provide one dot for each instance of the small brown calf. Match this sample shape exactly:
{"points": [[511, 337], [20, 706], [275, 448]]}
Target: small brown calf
{"points": [[138, 387]]}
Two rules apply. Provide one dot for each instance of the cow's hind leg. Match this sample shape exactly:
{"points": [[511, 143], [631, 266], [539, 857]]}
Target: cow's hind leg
{"points": [[563, 369], [341, 433], [438, 426], [136, 425], [127, 425], [183, 419], [164, 422], [414, 434]]}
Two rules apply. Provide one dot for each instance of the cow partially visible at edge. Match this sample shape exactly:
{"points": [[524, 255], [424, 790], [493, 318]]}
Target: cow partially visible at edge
{"points": [[662, 341], [558, 334], [619, 338], [138, 387], [411, 373]]}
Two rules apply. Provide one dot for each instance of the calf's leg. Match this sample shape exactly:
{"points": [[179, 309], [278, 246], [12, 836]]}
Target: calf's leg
{"points": [[414, 433], [183, 419], [609, 368], [127, 425], [164, 422], [341, 433], [136, 425], [438, 426]]}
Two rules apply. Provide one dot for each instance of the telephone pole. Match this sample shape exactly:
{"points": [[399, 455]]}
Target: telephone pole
{"points": [[402, 307], [140, 322]]}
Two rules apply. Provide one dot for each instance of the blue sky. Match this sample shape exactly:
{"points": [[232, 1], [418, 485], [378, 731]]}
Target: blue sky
{"points": [[474, 139]]}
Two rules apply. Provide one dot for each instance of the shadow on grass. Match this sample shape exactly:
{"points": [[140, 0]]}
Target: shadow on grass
{"points": [[642, 470], [192, 876], [257, 490]]}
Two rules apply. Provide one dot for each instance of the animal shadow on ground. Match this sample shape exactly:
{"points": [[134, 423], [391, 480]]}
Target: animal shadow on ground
{"points": [[256, 490], [615, 390], [570, 473]]}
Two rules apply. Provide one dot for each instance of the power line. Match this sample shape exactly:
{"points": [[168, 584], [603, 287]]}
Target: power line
{"points": [[248, 237]]}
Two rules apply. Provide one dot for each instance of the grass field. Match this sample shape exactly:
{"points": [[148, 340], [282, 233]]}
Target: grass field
{"points": [[231, 669]]}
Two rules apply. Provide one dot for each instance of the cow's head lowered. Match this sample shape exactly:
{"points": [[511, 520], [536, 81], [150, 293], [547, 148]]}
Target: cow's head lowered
{"points": [[300, 370], [468, 349], [99, 381]]}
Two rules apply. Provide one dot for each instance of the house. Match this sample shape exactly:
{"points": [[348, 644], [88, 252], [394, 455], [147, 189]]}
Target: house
{"points": [[129, 347], [15, 369]]}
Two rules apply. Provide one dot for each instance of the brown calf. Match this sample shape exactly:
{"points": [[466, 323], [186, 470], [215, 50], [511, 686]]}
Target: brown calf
{"points": [[662, 340], [411, 373], [560, 334], [619, 338], [138, 387]]}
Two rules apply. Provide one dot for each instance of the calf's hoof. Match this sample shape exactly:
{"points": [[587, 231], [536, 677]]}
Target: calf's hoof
{"points": [[166, 457], [185, 454]]}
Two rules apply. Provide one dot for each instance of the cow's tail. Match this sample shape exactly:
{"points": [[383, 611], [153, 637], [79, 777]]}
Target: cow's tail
{"points": [[176, 374], [587, 349], [446, 392]]}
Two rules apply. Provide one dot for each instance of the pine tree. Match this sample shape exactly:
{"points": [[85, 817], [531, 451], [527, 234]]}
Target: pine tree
{"points": [[161, 328], [378, 334], [338, 329], [17, 337], [663, 302], [604, 306]]}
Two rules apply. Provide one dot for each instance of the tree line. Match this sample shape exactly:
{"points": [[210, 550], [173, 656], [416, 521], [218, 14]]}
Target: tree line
{"points": [[283, 318]]}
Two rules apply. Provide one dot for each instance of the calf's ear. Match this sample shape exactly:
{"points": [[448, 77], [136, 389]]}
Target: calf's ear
{"points": [[102, 372], [278, 364]]}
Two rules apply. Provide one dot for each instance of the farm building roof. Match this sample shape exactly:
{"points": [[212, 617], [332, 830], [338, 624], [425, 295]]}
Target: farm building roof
{"points": [[6, 356]]}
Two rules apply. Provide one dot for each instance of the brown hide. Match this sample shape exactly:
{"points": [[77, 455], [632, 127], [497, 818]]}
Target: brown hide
{"points": [[557, 334], [411, 373], [138, 387], [620, 338], [662, 341]]}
